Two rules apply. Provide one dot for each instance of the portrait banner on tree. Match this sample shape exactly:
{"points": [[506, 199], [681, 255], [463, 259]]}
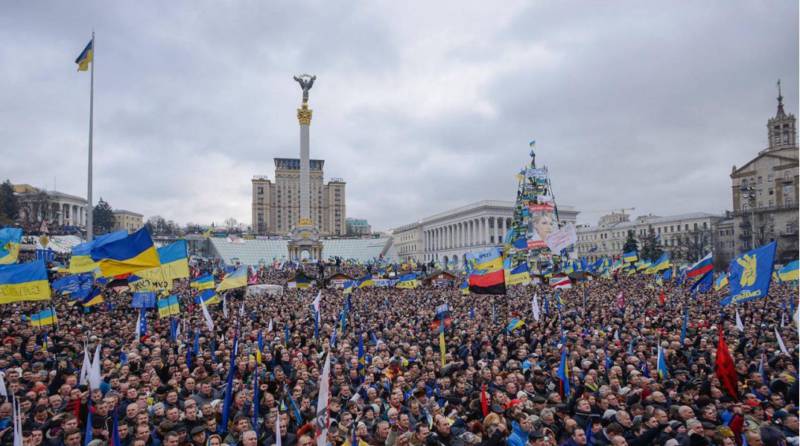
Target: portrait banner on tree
{"points": [[541, 223]]}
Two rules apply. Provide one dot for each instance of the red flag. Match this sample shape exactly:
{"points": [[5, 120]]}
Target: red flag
{"points": [[484, 401], [662, 298], [724, 368]]}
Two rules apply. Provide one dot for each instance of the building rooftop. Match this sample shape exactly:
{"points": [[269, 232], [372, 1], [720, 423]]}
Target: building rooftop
{"points": [[253, 252], [123, 211], [652, 220], [294, 164]]}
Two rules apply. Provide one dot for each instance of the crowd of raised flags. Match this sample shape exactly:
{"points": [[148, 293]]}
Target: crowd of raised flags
{"points": [[150, 273]]}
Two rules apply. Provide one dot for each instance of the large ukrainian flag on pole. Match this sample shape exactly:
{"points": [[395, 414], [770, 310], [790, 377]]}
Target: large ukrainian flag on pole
{"points": [[24, 282], [133, 253], [10, 239], [86, 56]]}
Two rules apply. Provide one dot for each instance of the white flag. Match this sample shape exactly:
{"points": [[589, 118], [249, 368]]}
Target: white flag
{"points": [[3, 391], [87, 364], [225, 307], [269, 329], [322, 403], [780, 343], [317, 299], [137, 329], [241, 310], [535, 307], [739, 324], [94, 371], [17, 422], [207, 317], [278, 430]]}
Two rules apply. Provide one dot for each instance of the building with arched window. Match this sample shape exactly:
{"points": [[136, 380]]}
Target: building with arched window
{"points": [[765, 191]]}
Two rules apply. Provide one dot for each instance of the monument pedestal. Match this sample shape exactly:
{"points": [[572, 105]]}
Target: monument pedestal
{"points": [[304, 242]]}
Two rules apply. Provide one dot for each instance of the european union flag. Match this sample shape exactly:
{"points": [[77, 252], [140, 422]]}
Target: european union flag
{"points": [[750, 275]]}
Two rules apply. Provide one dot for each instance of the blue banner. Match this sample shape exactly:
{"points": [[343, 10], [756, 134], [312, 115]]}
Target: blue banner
{"points": [[144, 300], [76, 285], [750, 275]]}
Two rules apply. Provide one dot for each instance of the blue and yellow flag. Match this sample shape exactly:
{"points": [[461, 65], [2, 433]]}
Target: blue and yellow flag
{"points": [[168, 307], [514, 324], [464, 287], [24, 282], [630, 257], [521, 275], [750, 275], [408, 281], [10, 239], [86, 56], [81, 260], [174, 265], [133, 253], [721, 282], [204, 282], [236, 279], [348, 286], [209, 297], [661, 264], [94, 298], [44, 318], [789, 272], [366, 281]]}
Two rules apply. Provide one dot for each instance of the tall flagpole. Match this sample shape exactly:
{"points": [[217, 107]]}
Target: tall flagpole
{"points": [[90, 208]]}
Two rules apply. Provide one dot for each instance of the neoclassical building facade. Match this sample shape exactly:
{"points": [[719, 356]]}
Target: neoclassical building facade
{"points": [[445, 237], [57, 208]]}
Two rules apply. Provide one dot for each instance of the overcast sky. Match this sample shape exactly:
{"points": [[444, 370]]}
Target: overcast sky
{"points": [[418, 106]]}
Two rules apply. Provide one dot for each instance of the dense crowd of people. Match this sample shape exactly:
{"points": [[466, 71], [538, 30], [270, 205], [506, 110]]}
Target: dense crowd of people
{"points": [[496, 386]]}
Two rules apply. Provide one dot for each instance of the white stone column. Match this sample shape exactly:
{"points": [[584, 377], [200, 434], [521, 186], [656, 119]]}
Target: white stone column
{"points": [[503, 229]]}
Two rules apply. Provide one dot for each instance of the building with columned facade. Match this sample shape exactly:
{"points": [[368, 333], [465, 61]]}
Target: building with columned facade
{"points": [[56, 208], [445, 237]]}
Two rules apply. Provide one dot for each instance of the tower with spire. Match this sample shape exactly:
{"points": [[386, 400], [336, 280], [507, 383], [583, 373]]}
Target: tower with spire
{"points": [[782, 129]]}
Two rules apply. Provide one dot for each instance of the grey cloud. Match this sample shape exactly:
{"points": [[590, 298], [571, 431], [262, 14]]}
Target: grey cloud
{"points": [[418, 107]]}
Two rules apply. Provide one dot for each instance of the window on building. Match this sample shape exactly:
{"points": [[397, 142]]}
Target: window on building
{"points": [[705, 225]]}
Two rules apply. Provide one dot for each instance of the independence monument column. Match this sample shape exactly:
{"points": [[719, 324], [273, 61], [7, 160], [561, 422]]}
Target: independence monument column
{"points": [[304, 241]]}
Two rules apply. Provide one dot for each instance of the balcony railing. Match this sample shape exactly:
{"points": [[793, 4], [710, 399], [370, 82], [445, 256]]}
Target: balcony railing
{"points": [[747, 211]]}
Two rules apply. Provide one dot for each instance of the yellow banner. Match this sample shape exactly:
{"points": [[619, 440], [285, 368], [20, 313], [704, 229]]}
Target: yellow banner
{"points": [[28, 291], [168, 272]]}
